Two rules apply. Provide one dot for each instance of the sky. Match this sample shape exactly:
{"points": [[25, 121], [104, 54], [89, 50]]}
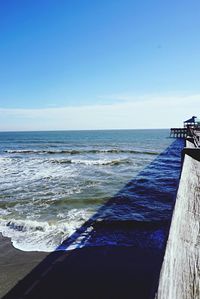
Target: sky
{"points": [[90, 64]]}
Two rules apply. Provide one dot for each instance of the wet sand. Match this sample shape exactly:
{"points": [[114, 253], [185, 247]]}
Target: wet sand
{"points": [[15, 264]]}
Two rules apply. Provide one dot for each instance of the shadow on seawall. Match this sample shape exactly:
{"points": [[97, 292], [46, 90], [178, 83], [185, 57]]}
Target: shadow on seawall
{"points": [[119, 250]]}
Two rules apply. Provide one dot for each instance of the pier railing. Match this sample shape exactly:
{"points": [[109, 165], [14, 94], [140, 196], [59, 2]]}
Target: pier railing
{"points": [[179, 132], [196, 136]]}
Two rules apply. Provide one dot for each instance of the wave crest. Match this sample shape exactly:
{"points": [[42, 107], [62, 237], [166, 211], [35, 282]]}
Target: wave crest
{"points": [[93, 162], [77, 152]]}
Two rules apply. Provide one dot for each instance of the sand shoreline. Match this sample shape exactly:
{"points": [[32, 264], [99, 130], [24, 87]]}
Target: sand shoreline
{"points": [[15, 264]]}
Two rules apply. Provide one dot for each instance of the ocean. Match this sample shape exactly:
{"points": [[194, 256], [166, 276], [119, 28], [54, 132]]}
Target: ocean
{"points": [[66, 189]]}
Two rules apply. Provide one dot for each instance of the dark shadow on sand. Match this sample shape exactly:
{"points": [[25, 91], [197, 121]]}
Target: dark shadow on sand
{"points": [[120, 248]]}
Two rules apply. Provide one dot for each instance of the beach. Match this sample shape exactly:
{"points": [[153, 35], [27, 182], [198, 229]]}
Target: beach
{"points": [[15, 264], [99, 187]]}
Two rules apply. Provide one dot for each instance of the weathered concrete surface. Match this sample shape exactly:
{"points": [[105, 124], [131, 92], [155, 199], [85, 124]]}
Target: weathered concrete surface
{"points": [[180, 273]]}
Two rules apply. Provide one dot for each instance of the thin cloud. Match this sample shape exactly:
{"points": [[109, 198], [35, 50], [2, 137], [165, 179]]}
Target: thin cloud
{"points": [[156, 112], [170, 97]]}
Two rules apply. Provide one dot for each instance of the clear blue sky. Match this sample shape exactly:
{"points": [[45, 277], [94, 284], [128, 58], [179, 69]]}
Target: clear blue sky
{"points": [[82, 53]]}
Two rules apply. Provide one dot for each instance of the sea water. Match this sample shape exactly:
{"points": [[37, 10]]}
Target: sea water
{"points": [[51, 183]]}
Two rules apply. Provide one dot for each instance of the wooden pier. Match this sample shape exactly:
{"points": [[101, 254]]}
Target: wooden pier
{"points": [[190, 130], [191, 134], [180, 273]]}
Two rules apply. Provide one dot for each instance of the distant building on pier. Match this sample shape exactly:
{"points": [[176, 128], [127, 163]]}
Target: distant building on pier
{"points": [[191, 122], [190, 125]]}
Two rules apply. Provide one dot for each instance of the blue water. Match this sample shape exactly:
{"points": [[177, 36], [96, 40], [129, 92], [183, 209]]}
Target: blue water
{"points": [[57, 188]]}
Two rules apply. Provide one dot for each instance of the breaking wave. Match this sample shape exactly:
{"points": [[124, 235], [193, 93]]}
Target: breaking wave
{"points": [[77, 152], [33, 235], [93, 162]]}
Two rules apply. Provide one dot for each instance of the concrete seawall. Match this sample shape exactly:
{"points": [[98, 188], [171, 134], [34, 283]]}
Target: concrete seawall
{"points": [[180, 273]]}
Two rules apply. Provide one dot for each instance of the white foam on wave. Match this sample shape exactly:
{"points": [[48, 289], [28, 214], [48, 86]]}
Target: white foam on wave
{"points": [[4, 212], [5, 159], [32, 235], [91, 162], [20, 178]]}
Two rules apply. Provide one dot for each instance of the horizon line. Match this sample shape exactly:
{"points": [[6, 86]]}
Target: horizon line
{"points": [[76, 130]]}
